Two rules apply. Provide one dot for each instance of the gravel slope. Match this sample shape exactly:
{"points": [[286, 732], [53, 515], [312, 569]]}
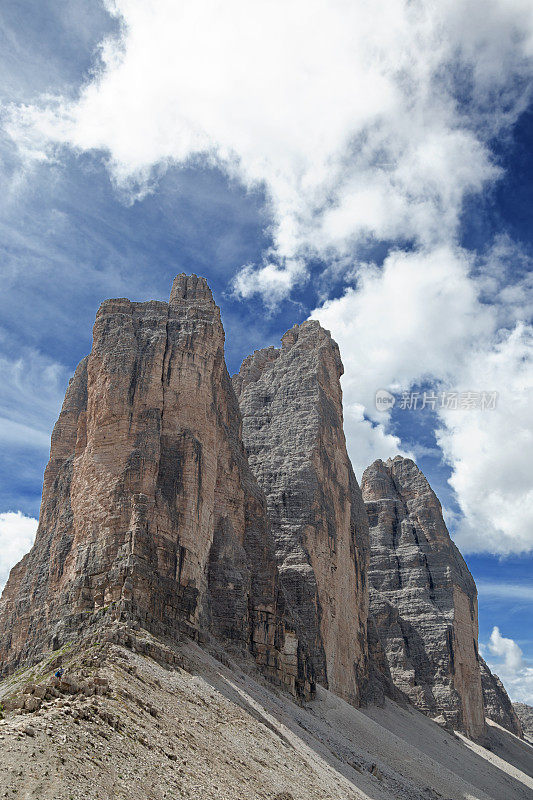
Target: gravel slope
{"points": [[213, 730]]}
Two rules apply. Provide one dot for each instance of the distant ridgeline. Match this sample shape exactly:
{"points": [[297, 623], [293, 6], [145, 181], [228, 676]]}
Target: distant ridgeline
{"points": [[190, 504]]}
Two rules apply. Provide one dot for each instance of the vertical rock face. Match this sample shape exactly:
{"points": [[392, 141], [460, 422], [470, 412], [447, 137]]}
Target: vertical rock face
{"points": [[291, 404], [422, 596], [525, 717], [149, 506], [498, 706]]}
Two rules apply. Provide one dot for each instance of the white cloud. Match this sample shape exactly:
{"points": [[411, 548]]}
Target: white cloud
{"points": [[506, 649], [490, 451], [420, 318], [271, 281], [363, 122], [395, 328], [515, 673], [360, 119], [368, 439], [17, 533]]}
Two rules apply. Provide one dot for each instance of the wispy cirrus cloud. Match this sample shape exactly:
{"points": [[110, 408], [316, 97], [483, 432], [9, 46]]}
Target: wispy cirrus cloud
{"points": [[505, 591], [31, 392]]}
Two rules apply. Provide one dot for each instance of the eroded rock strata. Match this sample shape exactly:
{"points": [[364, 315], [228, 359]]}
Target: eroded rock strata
{"points": [[422, 597], [525, 716], [178, 501], [498, 706], [291, 403], [149, 507]]}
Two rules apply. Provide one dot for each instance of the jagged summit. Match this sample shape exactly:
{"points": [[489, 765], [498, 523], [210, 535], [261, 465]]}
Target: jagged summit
{"points": [[190, 288], [309, 335], [399, 479]]}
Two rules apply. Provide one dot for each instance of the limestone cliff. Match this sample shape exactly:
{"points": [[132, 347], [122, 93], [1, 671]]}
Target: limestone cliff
{"points": [[149, 507], [525, 717], [498, 706], [291, 403], [422, 596]]}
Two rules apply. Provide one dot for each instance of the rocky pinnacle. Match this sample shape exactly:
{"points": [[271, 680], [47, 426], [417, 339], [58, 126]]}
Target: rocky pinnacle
{"points": [[291, 404], [179, 501], [422, 596], [149, 508]]}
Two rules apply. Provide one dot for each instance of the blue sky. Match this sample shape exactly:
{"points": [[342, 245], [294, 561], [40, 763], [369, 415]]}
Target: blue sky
{"points": [[383, 187]]}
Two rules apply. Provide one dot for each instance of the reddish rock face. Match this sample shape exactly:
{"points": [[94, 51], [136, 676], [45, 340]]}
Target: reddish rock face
{"points": [[149, 507], [422, 597], [291, 403], [153, 512]]}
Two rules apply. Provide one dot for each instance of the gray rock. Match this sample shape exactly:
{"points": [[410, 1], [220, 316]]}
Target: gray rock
{"points": [[291, 404], [525, 715], [498, 707], [422, 597]]}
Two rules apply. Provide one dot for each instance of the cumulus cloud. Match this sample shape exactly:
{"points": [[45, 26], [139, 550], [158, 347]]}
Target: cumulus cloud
{"points": [[368, 439], [421, 318], [395, 326], [17, 533], [490, 451], [359, 119], [515, 673], [394, 329], [362, 122], [506, 649]]}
